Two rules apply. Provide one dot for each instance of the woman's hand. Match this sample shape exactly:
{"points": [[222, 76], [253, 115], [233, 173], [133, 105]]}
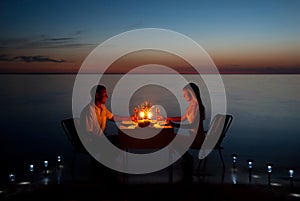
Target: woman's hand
{"points": [[160, 118], [169, 121]]}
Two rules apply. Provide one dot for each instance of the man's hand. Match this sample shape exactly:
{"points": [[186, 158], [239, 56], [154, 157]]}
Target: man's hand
{"points": [[133, 118]]}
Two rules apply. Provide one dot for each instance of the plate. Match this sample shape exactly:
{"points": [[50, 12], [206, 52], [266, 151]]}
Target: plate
{"points": [[128, 123], [162, 123]]}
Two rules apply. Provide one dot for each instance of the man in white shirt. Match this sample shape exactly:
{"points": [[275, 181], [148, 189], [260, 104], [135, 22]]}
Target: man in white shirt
{"points": [[93, 117], [95, 114], [93, 120]]}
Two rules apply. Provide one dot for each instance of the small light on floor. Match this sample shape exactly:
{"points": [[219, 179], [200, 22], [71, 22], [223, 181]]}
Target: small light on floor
{"points": [[269, 167], [31, 168], [269, 171], [59, 162], [58, 159], [46, 164], [250, 163], [234, 160], [12, 177], [250, 166], [291, 174]]}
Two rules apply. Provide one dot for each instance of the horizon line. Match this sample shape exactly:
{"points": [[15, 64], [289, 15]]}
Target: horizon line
{"points": [[221, 73]]}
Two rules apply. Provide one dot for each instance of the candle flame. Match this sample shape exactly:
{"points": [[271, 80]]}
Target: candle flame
{"points": [[149, 115], [144, 110], [142, 114]]}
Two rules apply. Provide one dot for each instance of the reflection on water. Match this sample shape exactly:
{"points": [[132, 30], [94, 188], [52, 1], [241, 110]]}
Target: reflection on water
{"points": [[265, 125], [234, 175]]}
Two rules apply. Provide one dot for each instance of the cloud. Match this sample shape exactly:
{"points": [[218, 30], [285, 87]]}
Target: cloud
{"points": [[4, 57], [64, 39], [239, 69], [28, 59], [44, 41], [134, 26], [79, 32]]}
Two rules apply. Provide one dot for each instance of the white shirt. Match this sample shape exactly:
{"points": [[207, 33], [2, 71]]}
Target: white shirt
{"points": [[192, 113], [93, 119]]}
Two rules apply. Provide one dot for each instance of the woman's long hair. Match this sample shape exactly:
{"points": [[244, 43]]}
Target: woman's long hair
{"points": [[196, 91]]}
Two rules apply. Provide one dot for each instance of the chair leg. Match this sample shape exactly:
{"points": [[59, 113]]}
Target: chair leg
{"points": [[205, 161], [125, 176], [199, 166], [221, 156], [73, 165]]}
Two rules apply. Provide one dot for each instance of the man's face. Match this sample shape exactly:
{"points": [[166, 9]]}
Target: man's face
{"points": [[102, 96]]}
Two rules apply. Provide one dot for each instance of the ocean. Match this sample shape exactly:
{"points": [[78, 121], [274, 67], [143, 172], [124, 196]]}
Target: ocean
{"points": [[265, 108]]}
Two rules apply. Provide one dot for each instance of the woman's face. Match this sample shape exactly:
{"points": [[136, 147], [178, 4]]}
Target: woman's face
{"points": [[187, 95]]}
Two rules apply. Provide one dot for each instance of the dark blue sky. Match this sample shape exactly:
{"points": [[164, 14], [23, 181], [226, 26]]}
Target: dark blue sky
{"points": [[238, 35]]}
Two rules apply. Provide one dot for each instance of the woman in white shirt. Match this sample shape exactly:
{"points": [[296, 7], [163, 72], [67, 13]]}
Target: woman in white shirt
{"points": [[194, 116]]}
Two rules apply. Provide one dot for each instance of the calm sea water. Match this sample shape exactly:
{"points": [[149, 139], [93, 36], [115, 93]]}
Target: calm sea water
{"points": [[265, 128]]}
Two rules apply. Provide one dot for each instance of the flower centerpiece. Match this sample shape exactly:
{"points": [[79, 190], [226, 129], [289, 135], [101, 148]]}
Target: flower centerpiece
{"points": [[144, 114]]}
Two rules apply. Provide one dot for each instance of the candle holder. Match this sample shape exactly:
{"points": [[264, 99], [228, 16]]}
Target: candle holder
{"points": [[144, 123]]}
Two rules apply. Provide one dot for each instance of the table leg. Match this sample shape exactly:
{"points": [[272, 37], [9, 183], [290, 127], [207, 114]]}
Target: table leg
{"points": [[125, 177], [170, 167]]}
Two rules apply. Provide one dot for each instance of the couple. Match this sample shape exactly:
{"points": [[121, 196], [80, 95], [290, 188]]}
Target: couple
{"points": [[94, 116]]}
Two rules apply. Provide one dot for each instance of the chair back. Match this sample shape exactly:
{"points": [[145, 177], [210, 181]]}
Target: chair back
{"points": [[220, 125], [71, 132]]}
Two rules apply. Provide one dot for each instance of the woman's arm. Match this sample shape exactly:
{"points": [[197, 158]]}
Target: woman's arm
{"points": [[176, 119], [181, 125], [173, 119]]}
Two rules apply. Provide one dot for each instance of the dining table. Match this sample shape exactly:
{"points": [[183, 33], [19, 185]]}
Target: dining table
{"points": [[146, 136]]}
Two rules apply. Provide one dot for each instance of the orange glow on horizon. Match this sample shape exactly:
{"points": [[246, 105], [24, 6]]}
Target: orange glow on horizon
{"points": [[231, 62]]}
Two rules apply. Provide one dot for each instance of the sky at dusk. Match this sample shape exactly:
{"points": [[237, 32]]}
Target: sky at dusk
{"points": [[240, 36]]}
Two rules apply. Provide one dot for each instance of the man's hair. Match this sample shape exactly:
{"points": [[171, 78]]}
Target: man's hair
{"points": [[96, 90]]}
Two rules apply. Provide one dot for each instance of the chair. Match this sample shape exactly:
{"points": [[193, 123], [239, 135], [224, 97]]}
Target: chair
{"points": [[70, 130], [215, 127]]}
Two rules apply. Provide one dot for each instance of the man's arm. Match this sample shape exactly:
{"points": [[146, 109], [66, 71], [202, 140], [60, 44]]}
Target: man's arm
{"points": [[117, 118]]}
